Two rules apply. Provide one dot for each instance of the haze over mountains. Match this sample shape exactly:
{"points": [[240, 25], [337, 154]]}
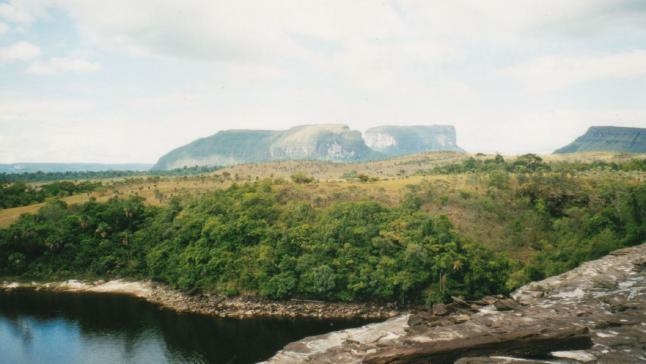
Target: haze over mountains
{"points": [[329, 142], [71, 167], [608, 138], [398, 140]]}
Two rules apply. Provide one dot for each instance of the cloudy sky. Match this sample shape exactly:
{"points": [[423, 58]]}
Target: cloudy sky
{"points": [[127, 80]]}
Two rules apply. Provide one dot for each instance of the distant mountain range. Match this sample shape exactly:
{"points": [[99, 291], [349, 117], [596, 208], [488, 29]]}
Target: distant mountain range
{"points": [[329, 142], [400, 140], [608, 138], [70, 167]]}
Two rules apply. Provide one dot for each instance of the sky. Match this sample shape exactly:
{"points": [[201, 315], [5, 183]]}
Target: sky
{"points": [[128, 80]]}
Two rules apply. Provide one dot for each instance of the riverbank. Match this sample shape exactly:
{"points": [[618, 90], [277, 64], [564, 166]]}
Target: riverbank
{"points": [[595, 313], [215, 305]]}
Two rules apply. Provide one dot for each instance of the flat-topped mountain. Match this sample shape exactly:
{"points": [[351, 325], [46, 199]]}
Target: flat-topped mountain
{"points": [[398, 140], [608, 138], [328, 142], [331, 142]]}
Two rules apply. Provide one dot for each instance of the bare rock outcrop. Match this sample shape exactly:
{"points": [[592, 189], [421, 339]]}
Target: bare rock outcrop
{"points": [[214, 304], [595, 313]]}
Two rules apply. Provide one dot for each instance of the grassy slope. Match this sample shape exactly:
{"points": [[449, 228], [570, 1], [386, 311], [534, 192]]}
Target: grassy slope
{"points": [[394, 177]]}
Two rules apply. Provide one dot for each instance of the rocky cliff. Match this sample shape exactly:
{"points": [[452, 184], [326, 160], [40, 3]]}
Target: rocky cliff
{"points": [[318, 142], [595, 313], [609, 138], [398, 140], [329, 142]]}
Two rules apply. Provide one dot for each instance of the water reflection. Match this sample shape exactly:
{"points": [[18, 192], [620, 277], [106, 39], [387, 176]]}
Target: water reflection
{"points": [[41, 327]]}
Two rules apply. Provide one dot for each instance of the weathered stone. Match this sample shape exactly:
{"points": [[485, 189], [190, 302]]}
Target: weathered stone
{"points": [[578, 355], [505, 304], [497, 360], [523, 342], [439, 309], [594, 313], [461, 318]]}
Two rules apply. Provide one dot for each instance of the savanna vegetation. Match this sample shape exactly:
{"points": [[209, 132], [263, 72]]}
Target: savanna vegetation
{"points": [[21, 194], [93, 175], [528, 163], [477, 227]]}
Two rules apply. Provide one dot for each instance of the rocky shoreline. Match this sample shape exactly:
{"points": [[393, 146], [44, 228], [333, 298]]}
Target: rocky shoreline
{"points": [[595, 313], [215, 305]]}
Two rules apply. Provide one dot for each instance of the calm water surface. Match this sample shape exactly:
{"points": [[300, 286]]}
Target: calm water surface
{"points": [[49, 328]]}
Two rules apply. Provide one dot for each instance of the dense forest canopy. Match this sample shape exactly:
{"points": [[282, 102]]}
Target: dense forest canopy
{"points": [[529, 163], [506, 223], [249, 239], [93, 175], [21, 194]]}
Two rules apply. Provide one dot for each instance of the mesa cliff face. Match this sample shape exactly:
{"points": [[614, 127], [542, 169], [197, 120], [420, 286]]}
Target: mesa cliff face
{"points": [[593, 313], [327, 142], [608, 138], [399, 140], [318, 142]]}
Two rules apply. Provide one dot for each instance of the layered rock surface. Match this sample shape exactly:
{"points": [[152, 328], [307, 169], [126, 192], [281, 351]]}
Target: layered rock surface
{"points": [[609, 138], [327, 142], [330, 142], [595, 313], [399, 140]]}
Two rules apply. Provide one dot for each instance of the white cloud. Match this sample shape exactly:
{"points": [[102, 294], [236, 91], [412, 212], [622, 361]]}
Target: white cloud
{"points": [[67, 130], [3, 28], [27, 108], [553, 72], [60, 65], [185, 69], [16, 12], [20, 51], [251, 29], [24, 12], [372, 43]]}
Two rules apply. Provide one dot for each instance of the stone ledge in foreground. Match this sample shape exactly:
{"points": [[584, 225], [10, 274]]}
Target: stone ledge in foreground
{"points": [[595, 313]]}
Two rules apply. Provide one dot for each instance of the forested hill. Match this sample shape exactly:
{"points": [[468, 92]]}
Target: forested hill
{"points": [[331, 241], [254, 239]]}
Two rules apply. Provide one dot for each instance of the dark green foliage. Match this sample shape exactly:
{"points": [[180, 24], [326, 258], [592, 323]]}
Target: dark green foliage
{"points": [[269, 239], [588, 228], [550, 221], [247, 239], [363, 177], [302, 178], [80, 175], [20, 194], [91, 239], [530, 163]]}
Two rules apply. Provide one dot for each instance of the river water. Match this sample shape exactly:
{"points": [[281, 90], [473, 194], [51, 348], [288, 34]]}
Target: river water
{"points": [[50, 328]]}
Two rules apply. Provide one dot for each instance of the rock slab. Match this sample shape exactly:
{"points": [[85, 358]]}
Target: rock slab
{"points": [[595, 313]]}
